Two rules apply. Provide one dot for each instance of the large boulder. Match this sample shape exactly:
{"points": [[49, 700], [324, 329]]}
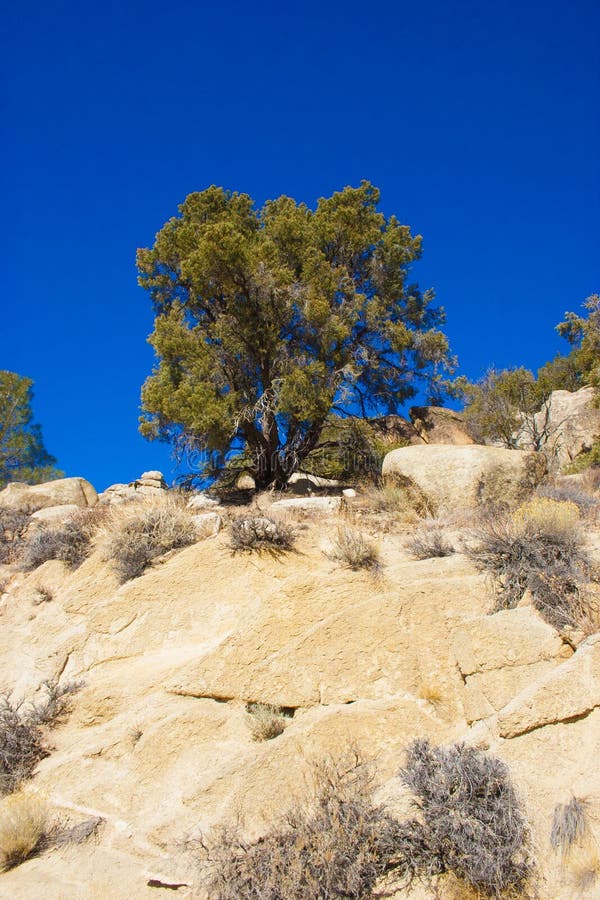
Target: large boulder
{"points": [[453, 476], [572, 423], [63, 491], [437, 425]]}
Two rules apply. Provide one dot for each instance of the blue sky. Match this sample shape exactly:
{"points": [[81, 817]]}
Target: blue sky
{"points": [[479, 122]]}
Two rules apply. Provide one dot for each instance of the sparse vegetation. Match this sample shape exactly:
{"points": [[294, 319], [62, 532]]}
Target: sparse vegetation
{"points": [[430, 541], [70, 542], [400, 500], [23, 827], [471, 821], [336, 844], [22, 737], [538, 549], [261, 533], [355, 550], [569, 824], [13, 525], [586, 502], [265, 721], [138, 533]]}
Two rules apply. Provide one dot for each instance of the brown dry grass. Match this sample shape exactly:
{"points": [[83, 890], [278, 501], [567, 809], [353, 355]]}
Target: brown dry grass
{"points": [[23, 826]]}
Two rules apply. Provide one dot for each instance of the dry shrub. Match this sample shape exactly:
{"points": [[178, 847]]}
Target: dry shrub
{"points": [[22, 737], [23, 827], [13, 525], [430, 540], [538, 549], [334, 845], [565, 491], [355, 550], [400, 500], [261, 533], [470, 824], [265, 721], [137, 533], [570, 824], [70, 542]]}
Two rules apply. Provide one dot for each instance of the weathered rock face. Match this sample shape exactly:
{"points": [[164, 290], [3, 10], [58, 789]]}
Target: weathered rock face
{"points": [[75, 491], [438, 425], [451, 477], [573, 423]]}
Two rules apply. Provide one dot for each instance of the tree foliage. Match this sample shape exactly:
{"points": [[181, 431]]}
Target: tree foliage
{"points": [[23, 456], [268, 320]]}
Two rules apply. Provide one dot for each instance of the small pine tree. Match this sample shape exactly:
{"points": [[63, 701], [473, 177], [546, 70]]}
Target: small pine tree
{"points": [[23, 456]]}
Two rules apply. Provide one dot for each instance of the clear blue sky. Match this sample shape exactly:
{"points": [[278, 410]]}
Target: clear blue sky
{"points": [[480, 122]]}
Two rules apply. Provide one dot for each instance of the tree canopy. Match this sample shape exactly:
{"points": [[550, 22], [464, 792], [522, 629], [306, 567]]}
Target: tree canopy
{"points": [[269, 320], [23, 456]]}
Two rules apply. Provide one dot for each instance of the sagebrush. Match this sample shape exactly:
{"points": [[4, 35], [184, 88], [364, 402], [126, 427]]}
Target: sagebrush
{"points": [[336, 844], [540, 548], [258, 532], [430, 540], [70, 542], [265, 721], [13, 525], [138, 533], [22, 731], [355, 550], [470, 821]]}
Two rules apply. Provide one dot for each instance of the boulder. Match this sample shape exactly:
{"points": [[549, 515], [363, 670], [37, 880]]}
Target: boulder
{"points": [[305, 484], [309, 504], [72, 491], [207, 523], [437, 425], [55, 514], [467, 476], [572, 423], [201, 501]]}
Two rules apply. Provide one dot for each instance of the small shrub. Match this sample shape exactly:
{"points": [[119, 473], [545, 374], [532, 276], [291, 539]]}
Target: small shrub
{"points": [[265, 721], [356, 551], [538, 549], [430, 541], [261, 533], [586, 502], [70, 542], [138, 533], [23, 826], [570, 824], [336, 844], [400, 500], [13, 525], [22, 738], [471, 822]]}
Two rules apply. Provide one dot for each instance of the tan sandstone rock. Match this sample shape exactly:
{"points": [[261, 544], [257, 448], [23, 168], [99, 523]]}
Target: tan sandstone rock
{"points": [[451, 477], [437, 425], [75, 491]]}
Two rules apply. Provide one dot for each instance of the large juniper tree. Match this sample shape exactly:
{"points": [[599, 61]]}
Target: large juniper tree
{"points": [[23, 456], [270, 320]]}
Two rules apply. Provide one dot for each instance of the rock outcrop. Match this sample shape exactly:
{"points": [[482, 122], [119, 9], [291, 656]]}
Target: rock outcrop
{"points": [[468, 476], [73, 491], [572, 423], [438, 425]]}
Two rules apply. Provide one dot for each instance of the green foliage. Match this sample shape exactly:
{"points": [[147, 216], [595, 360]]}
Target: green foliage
{"points": [[583, 333], [23, 456], [502, 405], [268, 321]]}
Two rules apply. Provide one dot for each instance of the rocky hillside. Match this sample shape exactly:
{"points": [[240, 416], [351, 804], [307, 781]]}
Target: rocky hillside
{"points": [[158, 748]]}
